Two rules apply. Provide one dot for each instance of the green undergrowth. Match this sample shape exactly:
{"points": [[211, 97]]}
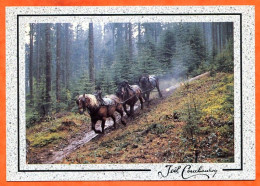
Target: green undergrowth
{"points": [[58, 130], [196, 120]]}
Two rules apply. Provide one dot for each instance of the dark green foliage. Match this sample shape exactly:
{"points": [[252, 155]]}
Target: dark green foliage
{"points": [[106, 82], [228, 106], [198, 50], [122, 51], [32, 117], [157, 129], [167, 49], [224, 61], [147, 62], [191, 115], [190, 57], [226, 131]]}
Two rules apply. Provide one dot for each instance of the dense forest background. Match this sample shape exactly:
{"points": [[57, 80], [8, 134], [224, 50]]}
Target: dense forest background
{"points": [[65, 60]]}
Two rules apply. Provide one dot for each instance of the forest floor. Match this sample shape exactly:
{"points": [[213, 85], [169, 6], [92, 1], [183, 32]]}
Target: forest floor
{"points": [[159, 133]]}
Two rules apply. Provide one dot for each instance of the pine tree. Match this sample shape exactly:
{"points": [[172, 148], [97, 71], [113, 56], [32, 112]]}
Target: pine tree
{"points": [[91, 53], [31, 62], [198, 50], [48, 68], [58, 56], [167, 50]]}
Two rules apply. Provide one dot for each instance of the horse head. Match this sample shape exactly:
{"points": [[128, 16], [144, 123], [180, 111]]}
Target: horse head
{"points": [[83, 102], [122, 90], [144, 81]]}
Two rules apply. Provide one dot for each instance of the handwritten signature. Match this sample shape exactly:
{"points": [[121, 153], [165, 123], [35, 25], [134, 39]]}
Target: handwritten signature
{"points": [[188, 171]]}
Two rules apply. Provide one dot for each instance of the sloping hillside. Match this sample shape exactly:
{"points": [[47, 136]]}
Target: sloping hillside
{"points": [[195, 124]]}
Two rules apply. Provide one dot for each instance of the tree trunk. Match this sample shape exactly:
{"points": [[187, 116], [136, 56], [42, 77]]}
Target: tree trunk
{"points": [[48, 68], [38, 53], [67, 59], [230, 26], [130, 43], [219, 39], [58, 55], [126, 32], [139, 33], [31, 63], [113, 39], [139, 39], [91, 53], [155, 33], [205, 36], [224, 34], [213, 40]]}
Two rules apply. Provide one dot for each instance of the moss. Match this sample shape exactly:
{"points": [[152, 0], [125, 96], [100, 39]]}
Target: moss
{"points": [[219, 103], [45, 139], [205, 130], [155, 129], [53, 129], [225, 130]]}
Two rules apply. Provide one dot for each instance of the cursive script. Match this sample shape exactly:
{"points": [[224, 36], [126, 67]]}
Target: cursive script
{"points": [[169, 170], [188, 171]]}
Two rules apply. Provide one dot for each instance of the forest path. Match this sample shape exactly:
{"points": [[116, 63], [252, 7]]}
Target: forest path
{"points": [[84, 138]]}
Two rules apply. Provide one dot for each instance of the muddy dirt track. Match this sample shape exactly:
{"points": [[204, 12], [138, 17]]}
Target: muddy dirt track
{"points": [[86, 135]]}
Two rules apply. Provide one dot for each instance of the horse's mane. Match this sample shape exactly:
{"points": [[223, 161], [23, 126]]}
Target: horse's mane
{"points": [[92, 98], [128, 86]]}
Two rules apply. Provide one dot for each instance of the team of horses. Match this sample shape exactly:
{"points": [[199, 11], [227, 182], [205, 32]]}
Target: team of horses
{"points": [[102, 108]]}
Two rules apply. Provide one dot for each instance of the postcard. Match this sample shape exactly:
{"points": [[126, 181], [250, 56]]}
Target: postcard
{"points": [[130, 93]]}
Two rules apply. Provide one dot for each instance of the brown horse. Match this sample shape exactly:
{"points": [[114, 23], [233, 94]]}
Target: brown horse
{"points": [[147, 84], [97, 111], [129, 94]]}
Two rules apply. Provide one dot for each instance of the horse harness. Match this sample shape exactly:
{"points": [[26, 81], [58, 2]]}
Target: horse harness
{"points": [[134, 94], [151, 85], [92, 110]]}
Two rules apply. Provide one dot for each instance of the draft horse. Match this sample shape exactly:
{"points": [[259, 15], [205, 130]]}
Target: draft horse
{"points": [[98, 111], [147, 84], [129, 94]]}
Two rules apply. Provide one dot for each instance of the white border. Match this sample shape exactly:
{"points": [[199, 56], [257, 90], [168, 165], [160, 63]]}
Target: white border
{"points": [[248, 90]]}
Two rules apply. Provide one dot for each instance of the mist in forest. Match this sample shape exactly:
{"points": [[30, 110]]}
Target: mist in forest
{"points": [[64, 59]]}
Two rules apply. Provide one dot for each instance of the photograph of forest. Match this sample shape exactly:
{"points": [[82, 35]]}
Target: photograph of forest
{"points": [[190, 120]]}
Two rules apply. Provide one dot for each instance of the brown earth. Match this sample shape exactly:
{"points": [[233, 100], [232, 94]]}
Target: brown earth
{"points": [[155, 135]]}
